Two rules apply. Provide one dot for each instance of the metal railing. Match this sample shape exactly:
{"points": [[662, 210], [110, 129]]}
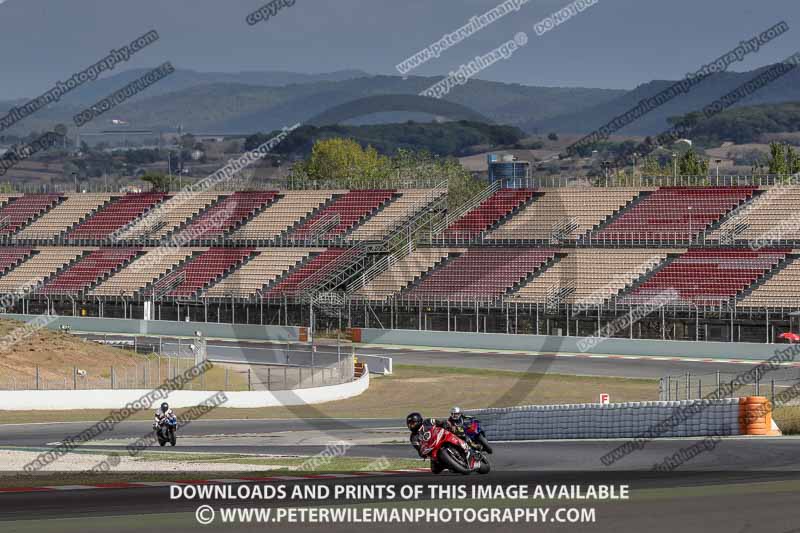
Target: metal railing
{"points": [[690, 386]]}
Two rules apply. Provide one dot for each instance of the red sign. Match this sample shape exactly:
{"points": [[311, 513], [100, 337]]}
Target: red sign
{"points": [[604, 398]]}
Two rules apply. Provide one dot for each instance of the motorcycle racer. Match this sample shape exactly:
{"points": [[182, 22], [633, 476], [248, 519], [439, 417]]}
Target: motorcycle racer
{"points": [[419, 425], [456, 424], [162, 413]]}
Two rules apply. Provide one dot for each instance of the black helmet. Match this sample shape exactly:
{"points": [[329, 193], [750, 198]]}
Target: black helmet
{"points": [[164, 407], [414, 421]]}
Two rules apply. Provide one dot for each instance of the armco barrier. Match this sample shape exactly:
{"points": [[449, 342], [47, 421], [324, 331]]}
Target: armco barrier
{"points": [[550, 344], [627, 420], [166, 328], [117, 399]]}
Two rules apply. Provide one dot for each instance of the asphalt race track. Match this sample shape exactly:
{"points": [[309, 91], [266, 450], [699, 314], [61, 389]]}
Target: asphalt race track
{"points": [[736, 487], [580, 365]]}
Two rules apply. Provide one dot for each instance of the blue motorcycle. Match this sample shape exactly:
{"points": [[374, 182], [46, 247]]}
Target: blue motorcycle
{"points": [[473, 430]]}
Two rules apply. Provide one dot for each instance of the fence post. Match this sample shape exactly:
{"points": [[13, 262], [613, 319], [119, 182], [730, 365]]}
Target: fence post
{"points": [[758, 385], [226, 378], [772, 391], [112, 377], [37, 377], [669, 388], [718, 383], [688, 384], [269, 378], [249, 381], [74, 378], [285, 378], [699, 388]]}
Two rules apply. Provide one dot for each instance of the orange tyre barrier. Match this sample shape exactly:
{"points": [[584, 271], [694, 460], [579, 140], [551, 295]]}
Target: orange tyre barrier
{"points": [[755, 416]]}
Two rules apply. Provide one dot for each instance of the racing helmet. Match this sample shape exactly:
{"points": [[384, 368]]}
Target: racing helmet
{"points": [[414, 422], [164, 407], [456, 413]]}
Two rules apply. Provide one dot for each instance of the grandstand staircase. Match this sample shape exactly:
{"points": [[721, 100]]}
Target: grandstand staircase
{"points": [[562, 230], [782, 264], [468, 206], [286, 234], [557, 257], [735, 228], [148, 289], [297, 266], [586, 237], [230, 270], [424, 275], [372, 214], [335, 274], [186, 223], [557, 296], [511, 214], [237, 224], [416, 231], [103, 278], [641, 280]]}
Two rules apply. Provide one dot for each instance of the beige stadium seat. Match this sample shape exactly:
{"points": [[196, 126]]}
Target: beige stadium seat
{"points": [[405, 271], [266, 267], [767, 217], [73, 210], [578, 210], [590, 276], [144, 271], [42, 265], [411, 202], [781, 290], [167, 217], [290, 208]]}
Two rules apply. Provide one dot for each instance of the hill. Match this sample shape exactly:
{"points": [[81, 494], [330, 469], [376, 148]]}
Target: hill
{"points": [[245, 104], [744, 125], [785, 89]]}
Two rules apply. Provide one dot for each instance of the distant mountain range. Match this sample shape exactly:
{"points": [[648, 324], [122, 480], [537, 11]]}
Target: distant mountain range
{"points": [[785, 89], [264, 101]]}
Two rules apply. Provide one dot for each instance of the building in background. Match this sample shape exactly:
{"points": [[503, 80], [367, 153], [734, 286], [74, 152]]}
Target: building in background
{"points": [[508, 168]]}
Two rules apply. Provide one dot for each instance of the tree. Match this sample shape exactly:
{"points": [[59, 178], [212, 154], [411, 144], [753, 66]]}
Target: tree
{"points": [[343, 162], [777, 159], [691, 165], [552, 136], [160, 182]]}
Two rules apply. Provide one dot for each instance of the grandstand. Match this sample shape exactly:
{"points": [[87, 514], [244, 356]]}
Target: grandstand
{"points": [[562, 258]]}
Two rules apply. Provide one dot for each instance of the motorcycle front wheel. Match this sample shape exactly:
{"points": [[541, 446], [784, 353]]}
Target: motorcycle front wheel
{"points": [[452, 460], [172, 439]]}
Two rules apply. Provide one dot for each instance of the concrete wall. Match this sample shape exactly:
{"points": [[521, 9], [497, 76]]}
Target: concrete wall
{"points": [[58, 400], [169, 328], [553, 344]]}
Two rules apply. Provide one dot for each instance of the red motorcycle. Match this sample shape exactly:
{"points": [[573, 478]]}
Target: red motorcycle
{"points": [[447, 452]]}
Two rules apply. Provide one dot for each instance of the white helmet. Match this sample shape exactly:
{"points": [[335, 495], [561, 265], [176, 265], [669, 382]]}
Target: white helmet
{"points": [[455, 412]]}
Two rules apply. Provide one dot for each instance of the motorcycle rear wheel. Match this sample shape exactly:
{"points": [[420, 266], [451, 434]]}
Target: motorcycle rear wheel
{"points": [[485, 467], [452, 461]]}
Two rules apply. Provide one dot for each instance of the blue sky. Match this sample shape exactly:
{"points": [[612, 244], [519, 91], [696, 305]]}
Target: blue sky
{"points": [[613, 44]]}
